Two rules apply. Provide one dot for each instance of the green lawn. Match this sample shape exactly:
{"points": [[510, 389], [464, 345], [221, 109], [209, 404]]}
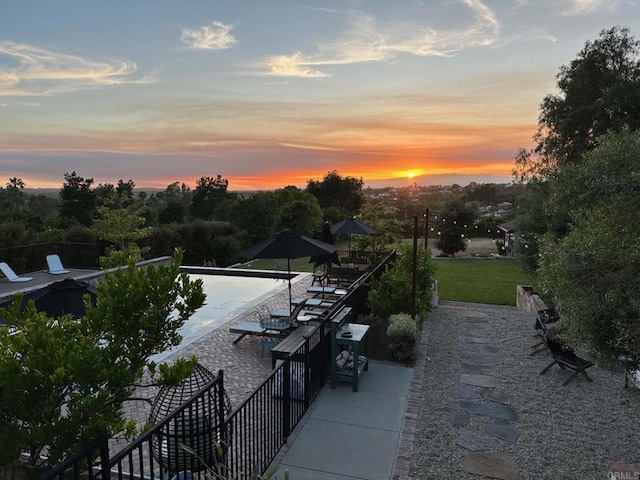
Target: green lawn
{"points": [[491, 281]]}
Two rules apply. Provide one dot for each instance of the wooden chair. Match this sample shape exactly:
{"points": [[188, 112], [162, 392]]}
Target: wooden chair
{"points": [[544, 326], [565, 357]]}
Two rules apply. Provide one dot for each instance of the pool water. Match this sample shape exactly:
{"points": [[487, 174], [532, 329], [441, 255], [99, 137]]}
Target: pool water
{"points": [[227, 297]]}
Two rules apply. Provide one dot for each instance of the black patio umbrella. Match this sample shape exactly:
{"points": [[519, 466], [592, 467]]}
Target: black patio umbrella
{"points": [[288, 245], [325, 260], [326, 237], [351, 225], [60, 298]]}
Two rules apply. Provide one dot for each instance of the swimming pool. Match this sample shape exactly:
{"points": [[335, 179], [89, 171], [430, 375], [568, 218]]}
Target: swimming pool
{"points": [[230, 292]]}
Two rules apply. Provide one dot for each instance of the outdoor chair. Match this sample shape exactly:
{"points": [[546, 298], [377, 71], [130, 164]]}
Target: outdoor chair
{"points": [[319, 277], [55, 265], [565, 357], [272, 328], [544, 326], [281, 323], [8, 272]]}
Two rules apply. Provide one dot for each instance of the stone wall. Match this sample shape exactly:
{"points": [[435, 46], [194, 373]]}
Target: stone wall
{"points": [[527, 300]]}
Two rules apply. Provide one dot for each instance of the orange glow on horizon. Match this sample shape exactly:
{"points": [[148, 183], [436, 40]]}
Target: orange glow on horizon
{"points": [[300, 178]]}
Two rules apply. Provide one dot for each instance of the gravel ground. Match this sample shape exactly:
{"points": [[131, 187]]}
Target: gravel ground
{"points": [[569, 432]]}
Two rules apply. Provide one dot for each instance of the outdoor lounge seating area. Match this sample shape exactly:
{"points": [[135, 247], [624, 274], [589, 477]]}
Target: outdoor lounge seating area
{"points": [[296, 333]]}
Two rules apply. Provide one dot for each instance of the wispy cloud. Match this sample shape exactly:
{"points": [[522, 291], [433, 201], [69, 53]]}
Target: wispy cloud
{"points": [[295, 65], [37, 71], [215, 37], [584, 7], [366, 41]]}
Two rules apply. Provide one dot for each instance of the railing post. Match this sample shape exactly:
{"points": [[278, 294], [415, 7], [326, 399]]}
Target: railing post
{"points": [[286, 398], [307, 373], [104, 458], [222, 467]]}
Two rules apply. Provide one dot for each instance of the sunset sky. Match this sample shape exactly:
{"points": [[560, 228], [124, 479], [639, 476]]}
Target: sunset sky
{"points": [[274, 93]]}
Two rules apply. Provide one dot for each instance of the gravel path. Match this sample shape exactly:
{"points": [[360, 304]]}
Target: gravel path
{"points": [[570, 432]]}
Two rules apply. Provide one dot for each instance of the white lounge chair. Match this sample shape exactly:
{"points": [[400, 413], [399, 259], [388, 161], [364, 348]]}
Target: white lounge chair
{"points": [[55, 265], [11, 275]]}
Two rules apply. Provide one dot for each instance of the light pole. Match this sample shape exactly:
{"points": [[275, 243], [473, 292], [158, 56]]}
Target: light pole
{"points": [[426, 227]]}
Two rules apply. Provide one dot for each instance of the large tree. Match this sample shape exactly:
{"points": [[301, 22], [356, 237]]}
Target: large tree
{"points": [[78, 199], [255, 215], [593, 272], [340, 197], [599, 92], [296, 210], [453, 223], [209, 192]]}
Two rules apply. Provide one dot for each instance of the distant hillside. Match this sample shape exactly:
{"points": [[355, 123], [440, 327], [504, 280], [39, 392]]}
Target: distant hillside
{"points": [[441, 179]]}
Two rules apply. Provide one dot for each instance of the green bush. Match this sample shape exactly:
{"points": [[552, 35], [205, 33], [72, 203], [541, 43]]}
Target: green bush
{"points": [[403, 337], [391, 293]]}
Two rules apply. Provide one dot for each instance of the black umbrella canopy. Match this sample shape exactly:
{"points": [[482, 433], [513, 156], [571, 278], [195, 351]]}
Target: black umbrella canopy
{"points": [[288, 245], [326, 237], [60, 298], [351, 225]]}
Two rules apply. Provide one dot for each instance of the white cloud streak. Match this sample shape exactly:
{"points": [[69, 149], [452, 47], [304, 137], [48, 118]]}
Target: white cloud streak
{"points": [[215, 37], [585, 7], [368, 42], [38, 71]]}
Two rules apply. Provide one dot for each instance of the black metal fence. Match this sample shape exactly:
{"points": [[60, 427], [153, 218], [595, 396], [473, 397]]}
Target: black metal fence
{"points": [[242, 444], [30, 258]]}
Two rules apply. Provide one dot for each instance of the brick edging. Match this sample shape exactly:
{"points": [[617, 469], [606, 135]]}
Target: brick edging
{"points": [[402, 463]]}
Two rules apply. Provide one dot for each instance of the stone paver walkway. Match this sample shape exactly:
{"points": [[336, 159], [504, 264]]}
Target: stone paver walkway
{"points": [[478, 395]]}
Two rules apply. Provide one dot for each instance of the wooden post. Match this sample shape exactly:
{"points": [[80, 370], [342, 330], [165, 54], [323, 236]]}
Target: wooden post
{"points": [[426, 228], [414, 269]]}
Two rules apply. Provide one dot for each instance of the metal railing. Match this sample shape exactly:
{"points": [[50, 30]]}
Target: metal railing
{"points": [[238, 446], [30, 258]]}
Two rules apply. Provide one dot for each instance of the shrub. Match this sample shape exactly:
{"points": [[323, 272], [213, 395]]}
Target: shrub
{"points": [[403, 337], [391, 293]]}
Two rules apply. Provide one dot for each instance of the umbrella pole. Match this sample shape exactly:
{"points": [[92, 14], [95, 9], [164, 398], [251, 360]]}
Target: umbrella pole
{"points": [[289, 280]]}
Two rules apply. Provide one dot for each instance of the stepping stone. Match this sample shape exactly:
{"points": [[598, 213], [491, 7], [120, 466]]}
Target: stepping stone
{"points": [[478, 380], [475, 441], [460, 419], [492, 465], [475, 329], [473, 339], [495, 396], [472, 314], [490, 349], [493, 410], [473, 368], [468, 347], [503, 430], [469, 392], [479, 358]]}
